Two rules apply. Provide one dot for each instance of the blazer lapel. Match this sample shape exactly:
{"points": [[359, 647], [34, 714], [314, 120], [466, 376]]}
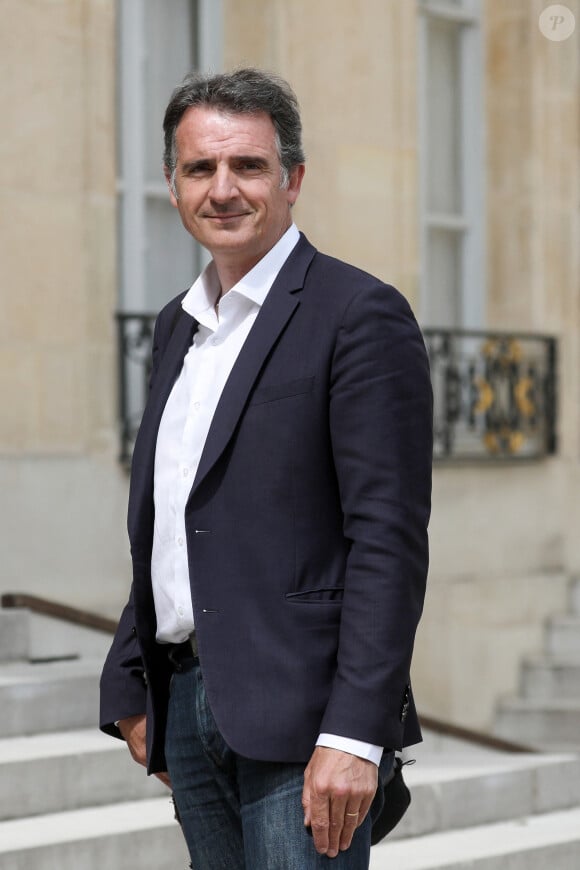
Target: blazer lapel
{"points": [[278, 308], [169, 368]]}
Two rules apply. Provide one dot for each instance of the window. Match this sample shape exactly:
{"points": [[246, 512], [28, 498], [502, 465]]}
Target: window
{"points": [[158, 43], [452, 166]]}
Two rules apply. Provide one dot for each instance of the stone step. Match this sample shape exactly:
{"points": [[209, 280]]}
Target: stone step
{"points": [[25, 636], [575, 596], [528, 843], [74, 769], [86, 768], [55, 639], [52, 696], [545, 724], [448, 793], [125, 836], [14, 635], [461, 791], [550, 678], [563, 637]]}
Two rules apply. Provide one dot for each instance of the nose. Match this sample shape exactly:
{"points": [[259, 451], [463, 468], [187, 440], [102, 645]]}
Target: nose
{"points": [[223, 186]]}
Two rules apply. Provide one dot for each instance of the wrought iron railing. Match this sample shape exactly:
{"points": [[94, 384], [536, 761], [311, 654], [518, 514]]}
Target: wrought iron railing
{"points": [[495, 392]]}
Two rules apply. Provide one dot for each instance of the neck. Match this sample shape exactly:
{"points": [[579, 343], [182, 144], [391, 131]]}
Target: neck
{"points": [[229, 273]]}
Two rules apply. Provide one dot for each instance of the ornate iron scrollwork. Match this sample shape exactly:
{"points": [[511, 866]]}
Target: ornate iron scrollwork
{"points": [[494, 394], [135, 335]]}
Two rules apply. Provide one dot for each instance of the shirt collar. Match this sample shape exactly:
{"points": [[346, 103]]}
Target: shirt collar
{"points": [[255, 285]]}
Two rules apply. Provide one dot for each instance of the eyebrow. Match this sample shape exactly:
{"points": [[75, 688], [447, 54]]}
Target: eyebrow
{"points": [[195, 164], [210, 161]]}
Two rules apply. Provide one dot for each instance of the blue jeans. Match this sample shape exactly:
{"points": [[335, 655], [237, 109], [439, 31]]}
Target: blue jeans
{"points": [[236, 813]]}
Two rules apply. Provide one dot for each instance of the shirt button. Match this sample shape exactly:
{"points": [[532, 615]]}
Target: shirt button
{"points": [[180, 611], [185, 472], [180, 542], [196, 406], [215, 340]]}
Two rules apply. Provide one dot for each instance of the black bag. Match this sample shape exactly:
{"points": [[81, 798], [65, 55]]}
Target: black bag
{"points": [[396, 801]]}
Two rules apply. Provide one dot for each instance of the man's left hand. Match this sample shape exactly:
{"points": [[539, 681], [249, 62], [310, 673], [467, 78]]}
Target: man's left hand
{"points": [[337, 795]]}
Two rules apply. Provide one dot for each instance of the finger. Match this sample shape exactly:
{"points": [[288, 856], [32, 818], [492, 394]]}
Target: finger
{"points": [[164, 777], [364, 808], [350, 824], [337, 820], [352, 821], [320, 823], [306, 804], [137, 748]]}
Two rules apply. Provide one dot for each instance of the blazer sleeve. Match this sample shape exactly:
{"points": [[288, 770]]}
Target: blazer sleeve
{"points": [[123, 684], [380, 409]]}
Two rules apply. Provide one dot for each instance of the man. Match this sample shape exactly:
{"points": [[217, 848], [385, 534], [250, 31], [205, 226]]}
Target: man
{"points": [[279, 501]]}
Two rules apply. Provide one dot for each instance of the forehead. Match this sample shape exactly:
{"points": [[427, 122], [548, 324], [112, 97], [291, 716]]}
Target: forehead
{"points": [[205, 131]]}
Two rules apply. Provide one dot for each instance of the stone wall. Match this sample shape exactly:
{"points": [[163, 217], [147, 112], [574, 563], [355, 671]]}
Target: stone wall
{"points": [[62, 494], [57, 185], [355, 76]]}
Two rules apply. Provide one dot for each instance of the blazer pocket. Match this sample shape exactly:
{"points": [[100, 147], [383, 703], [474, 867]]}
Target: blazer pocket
{"points": [[282, 391], [324, 595]]}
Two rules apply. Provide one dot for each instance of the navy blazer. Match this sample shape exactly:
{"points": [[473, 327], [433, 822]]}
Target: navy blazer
{"points": [[306, 523]]}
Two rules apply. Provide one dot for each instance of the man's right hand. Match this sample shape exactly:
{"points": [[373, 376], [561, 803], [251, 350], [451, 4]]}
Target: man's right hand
{"points": [[134, 732]]}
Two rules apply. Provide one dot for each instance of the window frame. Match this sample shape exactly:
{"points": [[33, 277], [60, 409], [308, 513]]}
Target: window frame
{"points": [[134, 190], [469, 221]]}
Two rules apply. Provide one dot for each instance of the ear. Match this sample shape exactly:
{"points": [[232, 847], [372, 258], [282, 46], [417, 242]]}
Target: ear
{"points": [[172, 197], [295, 183]]}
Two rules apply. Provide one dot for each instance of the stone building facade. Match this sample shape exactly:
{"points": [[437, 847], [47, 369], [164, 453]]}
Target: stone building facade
{"points": [[504, 531]]}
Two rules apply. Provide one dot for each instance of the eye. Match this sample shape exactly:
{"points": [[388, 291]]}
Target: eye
{"points": [[197, 170], [250, 166]]}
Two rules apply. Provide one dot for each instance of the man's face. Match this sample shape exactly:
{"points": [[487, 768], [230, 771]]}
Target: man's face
{"points": [[228, 184]]}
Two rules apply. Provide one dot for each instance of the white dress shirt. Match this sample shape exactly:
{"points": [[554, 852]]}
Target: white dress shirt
{"points": [[183, 431]]}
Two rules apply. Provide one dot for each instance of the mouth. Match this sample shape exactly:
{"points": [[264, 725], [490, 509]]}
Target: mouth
{"points": [[228, 216]]}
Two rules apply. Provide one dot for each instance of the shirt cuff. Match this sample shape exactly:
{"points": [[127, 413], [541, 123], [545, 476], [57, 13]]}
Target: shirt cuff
{"points": [[368, 751]]}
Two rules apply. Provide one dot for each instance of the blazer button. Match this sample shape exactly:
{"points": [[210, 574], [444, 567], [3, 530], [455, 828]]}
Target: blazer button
{"points": [[406, 704]]}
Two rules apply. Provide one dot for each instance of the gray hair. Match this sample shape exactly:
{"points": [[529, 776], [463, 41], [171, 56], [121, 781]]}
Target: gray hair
{"points": [[246, 91]]}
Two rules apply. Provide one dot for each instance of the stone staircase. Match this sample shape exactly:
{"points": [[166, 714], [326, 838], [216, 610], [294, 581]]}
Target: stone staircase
{"points": [[71, 797], [477, 809], [546, 713]]}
